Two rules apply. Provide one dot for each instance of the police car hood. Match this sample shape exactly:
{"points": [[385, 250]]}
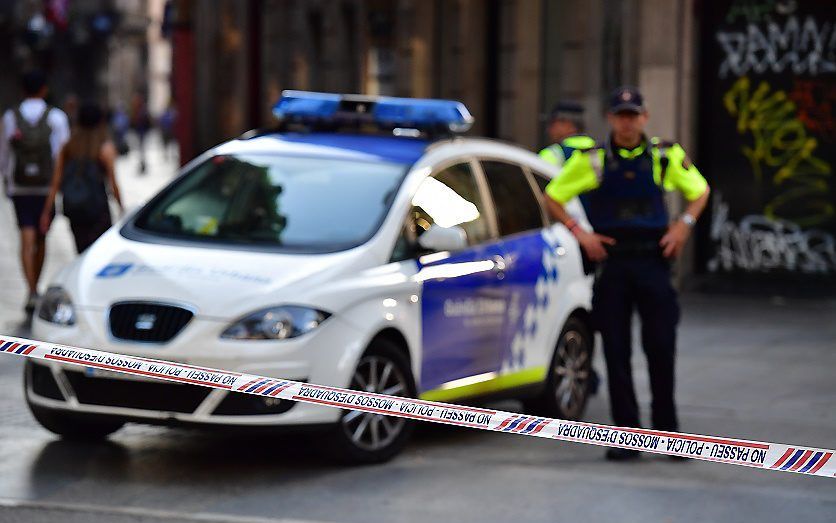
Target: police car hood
{"points": [[214, 282]]}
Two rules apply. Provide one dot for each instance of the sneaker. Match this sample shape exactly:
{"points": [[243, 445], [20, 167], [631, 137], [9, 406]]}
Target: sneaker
{"points": [[31, 303], [615, 454]]}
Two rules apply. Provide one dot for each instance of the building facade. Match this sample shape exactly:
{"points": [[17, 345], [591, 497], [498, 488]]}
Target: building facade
{"points": [[90, 49], [509, 61]]}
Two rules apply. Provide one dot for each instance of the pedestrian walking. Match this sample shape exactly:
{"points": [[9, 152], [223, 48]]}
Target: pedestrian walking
{"points": [[83, 167], [565, 127], [622, 186], [167, 122], [120, 124], [33, 133], [140, 123]]}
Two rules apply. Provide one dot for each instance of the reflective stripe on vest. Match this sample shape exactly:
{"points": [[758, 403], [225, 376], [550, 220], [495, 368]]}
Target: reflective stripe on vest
{"points": [[554, 155]]}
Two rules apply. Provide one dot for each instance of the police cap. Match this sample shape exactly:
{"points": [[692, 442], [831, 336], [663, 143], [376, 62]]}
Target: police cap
{"points": [[565, 110], [626, 100]]}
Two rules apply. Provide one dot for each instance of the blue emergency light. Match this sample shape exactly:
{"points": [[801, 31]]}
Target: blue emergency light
{"points": [[309, 108]]}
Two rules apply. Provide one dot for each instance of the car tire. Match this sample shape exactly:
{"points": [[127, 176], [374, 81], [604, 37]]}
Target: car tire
{"points": [[570, 375], [366, 438]]}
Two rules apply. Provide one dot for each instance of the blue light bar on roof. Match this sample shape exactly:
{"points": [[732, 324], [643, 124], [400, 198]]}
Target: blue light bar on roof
{"points": [[387, 112], [299, 105]]}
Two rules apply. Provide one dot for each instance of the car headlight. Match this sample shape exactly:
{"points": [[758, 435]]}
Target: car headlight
{"points": [[57, 307], [276, 323]]}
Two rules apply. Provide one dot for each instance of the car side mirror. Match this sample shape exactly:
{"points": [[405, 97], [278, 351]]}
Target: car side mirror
{"points": [[438, 238]]}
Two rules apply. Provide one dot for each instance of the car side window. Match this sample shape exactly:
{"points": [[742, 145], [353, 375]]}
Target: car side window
{"points": [[542, 181], [404, 245], [451, 198], [517, 207]]}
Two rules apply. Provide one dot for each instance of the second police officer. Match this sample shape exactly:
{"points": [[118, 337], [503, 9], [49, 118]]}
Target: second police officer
{"points": [[622, 185], [564, 127]]}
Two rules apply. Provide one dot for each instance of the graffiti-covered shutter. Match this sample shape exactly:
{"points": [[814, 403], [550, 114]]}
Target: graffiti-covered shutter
{"points": [[768, 136]]}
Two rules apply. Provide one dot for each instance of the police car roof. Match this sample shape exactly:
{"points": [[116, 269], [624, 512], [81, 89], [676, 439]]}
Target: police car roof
{"points": [[393, 149]]}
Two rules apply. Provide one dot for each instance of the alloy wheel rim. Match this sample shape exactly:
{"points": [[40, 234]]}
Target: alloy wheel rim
{"points": [[368, 430], [571, 373]]}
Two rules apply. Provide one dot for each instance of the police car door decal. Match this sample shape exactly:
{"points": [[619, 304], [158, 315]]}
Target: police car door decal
{"points": [[463, 309], [532, 278]]}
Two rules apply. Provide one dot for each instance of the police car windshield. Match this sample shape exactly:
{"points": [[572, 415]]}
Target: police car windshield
{"points": [[297, 204]]}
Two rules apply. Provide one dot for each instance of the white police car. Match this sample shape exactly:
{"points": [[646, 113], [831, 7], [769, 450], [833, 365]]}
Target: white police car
{"points": [[361, 245]]}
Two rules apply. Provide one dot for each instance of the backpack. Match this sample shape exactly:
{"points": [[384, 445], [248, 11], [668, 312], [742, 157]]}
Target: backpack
{"points": [[33, 151], [83, 190]]}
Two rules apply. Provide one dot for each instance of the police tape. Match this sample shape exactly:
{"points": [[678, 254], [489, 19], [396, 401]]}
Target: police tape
{"points": [[770, 456]]}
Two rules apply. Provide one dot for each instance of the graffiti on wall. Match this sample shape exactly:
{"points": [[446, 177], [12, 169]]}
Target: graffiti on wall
{"points": [[782, 151], [772, 142], [759, 243], [757, 10], [797, 46], [816, 104]]}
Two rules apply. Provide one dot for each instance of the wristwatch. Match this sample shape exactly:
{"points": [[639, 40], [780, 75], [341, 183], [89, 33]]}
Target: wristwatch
{"points": [[688, 219]]}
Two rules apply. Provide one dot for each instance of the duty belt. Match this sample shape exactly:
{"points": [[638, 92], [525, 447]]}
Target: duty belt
{"points": [[634, 249]]}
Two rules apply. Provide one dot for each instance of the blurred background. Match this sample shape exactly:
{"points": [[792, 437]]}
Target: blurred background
{"points": [[747, 86]]}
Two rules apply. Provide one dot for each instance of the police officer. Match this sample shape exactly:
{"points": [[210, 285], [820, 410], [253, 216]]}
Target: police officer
{"points": [[564, 129], [622, 185]]}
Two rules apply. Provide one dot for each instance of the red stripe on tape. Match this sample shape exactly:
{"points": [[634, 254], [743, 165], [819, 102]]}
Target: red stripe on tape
{"points": [[381, 411], [505, 423], [192, 367], [264, 387], [691, 437], [821, 463], [135, 371], [248, 384], [280, 389], [413, 400], [801, 461], [540, 426], [783, 458]]}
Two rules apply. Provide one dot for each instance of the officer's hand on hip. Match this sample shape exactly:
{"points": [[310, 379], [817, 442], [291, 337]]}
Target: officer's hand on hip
{"points": [[674, 240], [593, 244]]}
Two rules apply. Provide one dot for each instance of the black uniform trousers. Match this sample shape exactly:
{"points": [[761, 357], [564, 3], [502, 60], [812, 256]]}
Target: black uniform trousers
{"points": [[642, 283]]}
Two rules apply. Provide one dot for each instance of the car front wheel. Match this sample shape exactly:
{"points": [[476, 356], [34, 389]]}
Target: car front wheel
{"points": [[367, 437]]}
